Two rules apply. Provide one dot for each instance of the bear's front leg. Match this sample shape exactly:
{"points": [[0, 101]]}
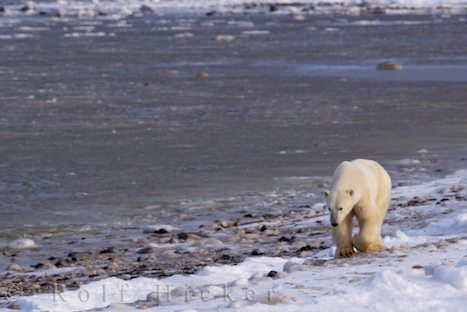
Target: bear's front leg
{"points": [[342, 235]]}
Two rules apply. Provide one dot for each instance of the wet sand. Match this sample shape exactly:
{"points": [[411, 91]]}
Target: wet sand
{"points": [[108, 126]]}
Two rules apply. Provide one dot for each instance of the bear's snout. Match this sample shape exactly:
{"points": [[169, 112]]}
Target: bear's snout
{"points": [[334, 224]]}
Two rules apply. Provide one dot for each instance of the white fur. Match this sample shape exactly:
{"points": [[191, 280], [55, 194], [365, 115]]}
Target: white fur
{"points": [[360, 188]]}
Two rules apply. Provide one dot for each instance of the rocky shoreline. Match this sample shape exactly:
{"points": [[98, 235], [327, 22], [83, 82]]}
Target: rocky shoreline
{"points": [[163, 250]]}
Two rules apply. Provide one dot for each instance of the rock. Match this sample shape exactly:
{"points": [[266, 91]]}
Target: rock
{"points": [[113, 266], [14, 267], [159, 229], [388, 66], [146, 9], [225, 38], [257, 252], [147, 249], [125, 277], [204, 252], [182, 236], [240, 282], [291, 266], [240, 231], [179, 292], [256, 276], [153, 296], [202, 75], [107, 250], [24, 243], [273, 274], [298, 17], [170, 254], [280, 298], [170, 72], [224, 223]]}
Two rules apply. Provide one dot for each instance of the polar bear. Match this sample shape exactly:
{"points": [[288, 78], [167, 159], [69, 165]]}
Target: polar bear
{"points": [[360, 188]]}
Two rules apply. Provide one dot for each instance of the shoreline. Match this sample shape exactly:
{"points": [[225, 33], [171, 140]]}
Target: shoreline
{"points": [[162, 250]]}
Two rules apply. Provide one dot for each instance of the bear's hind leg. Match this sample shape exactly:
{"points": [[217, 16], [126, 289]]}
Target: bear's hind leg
{"points": [[368, 239]]}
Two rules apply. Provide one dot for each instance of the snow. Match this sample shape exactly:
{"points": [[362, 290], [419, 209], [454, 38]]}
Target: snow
{"points": [[423, 268]]}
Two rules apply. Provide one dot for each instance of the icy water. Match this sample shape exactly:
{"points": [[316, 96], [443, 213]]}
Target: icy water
{"points": [[105, 122]]}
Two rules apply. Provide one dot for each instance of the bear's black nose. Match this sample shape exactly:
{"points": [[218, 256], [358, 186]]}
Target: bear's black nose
{"points": [[334, 224]]}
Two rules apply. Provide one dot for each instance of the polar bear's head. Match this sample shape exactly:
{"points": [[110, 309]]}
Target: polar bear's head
{"points": [[339, 204]]}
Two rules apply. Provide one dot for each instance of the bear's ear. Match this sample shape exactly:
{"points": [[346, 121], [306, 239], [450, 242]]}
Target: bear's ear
{"points": [[325, 193], [350, 192]]}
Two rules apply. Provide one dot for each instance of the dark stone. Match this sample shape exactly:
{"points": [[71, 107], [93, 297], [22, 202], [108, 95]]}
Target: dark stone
{"points": [[107, 250], [146, 9], [263, 228], [273, 8], [305, 248], [287, 239], [161, 231], [211, 13], [273, 274], [257, 252], [182, 236], [38, 266]]}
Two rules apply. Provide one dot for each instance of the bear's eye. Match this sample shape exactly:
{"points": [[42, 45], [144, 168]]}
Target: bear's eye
{"points": [[340, 209]]}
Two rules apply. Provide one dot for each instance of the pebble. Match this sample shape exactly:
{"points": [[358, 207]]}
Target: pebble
{"points": [[113, 266], [225, 38], [169, 72], [184, 35], [202, 75], [388, 66], [299, 17]]}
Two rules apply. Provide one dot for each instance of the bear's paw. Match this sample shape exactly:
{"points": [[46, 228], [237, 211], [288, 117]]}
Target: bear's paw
{"points": [[345, 252]]}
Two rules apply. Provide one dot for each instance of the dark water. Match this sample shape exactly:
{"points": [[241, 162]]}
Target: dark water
{"points": [[94, 129]]}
